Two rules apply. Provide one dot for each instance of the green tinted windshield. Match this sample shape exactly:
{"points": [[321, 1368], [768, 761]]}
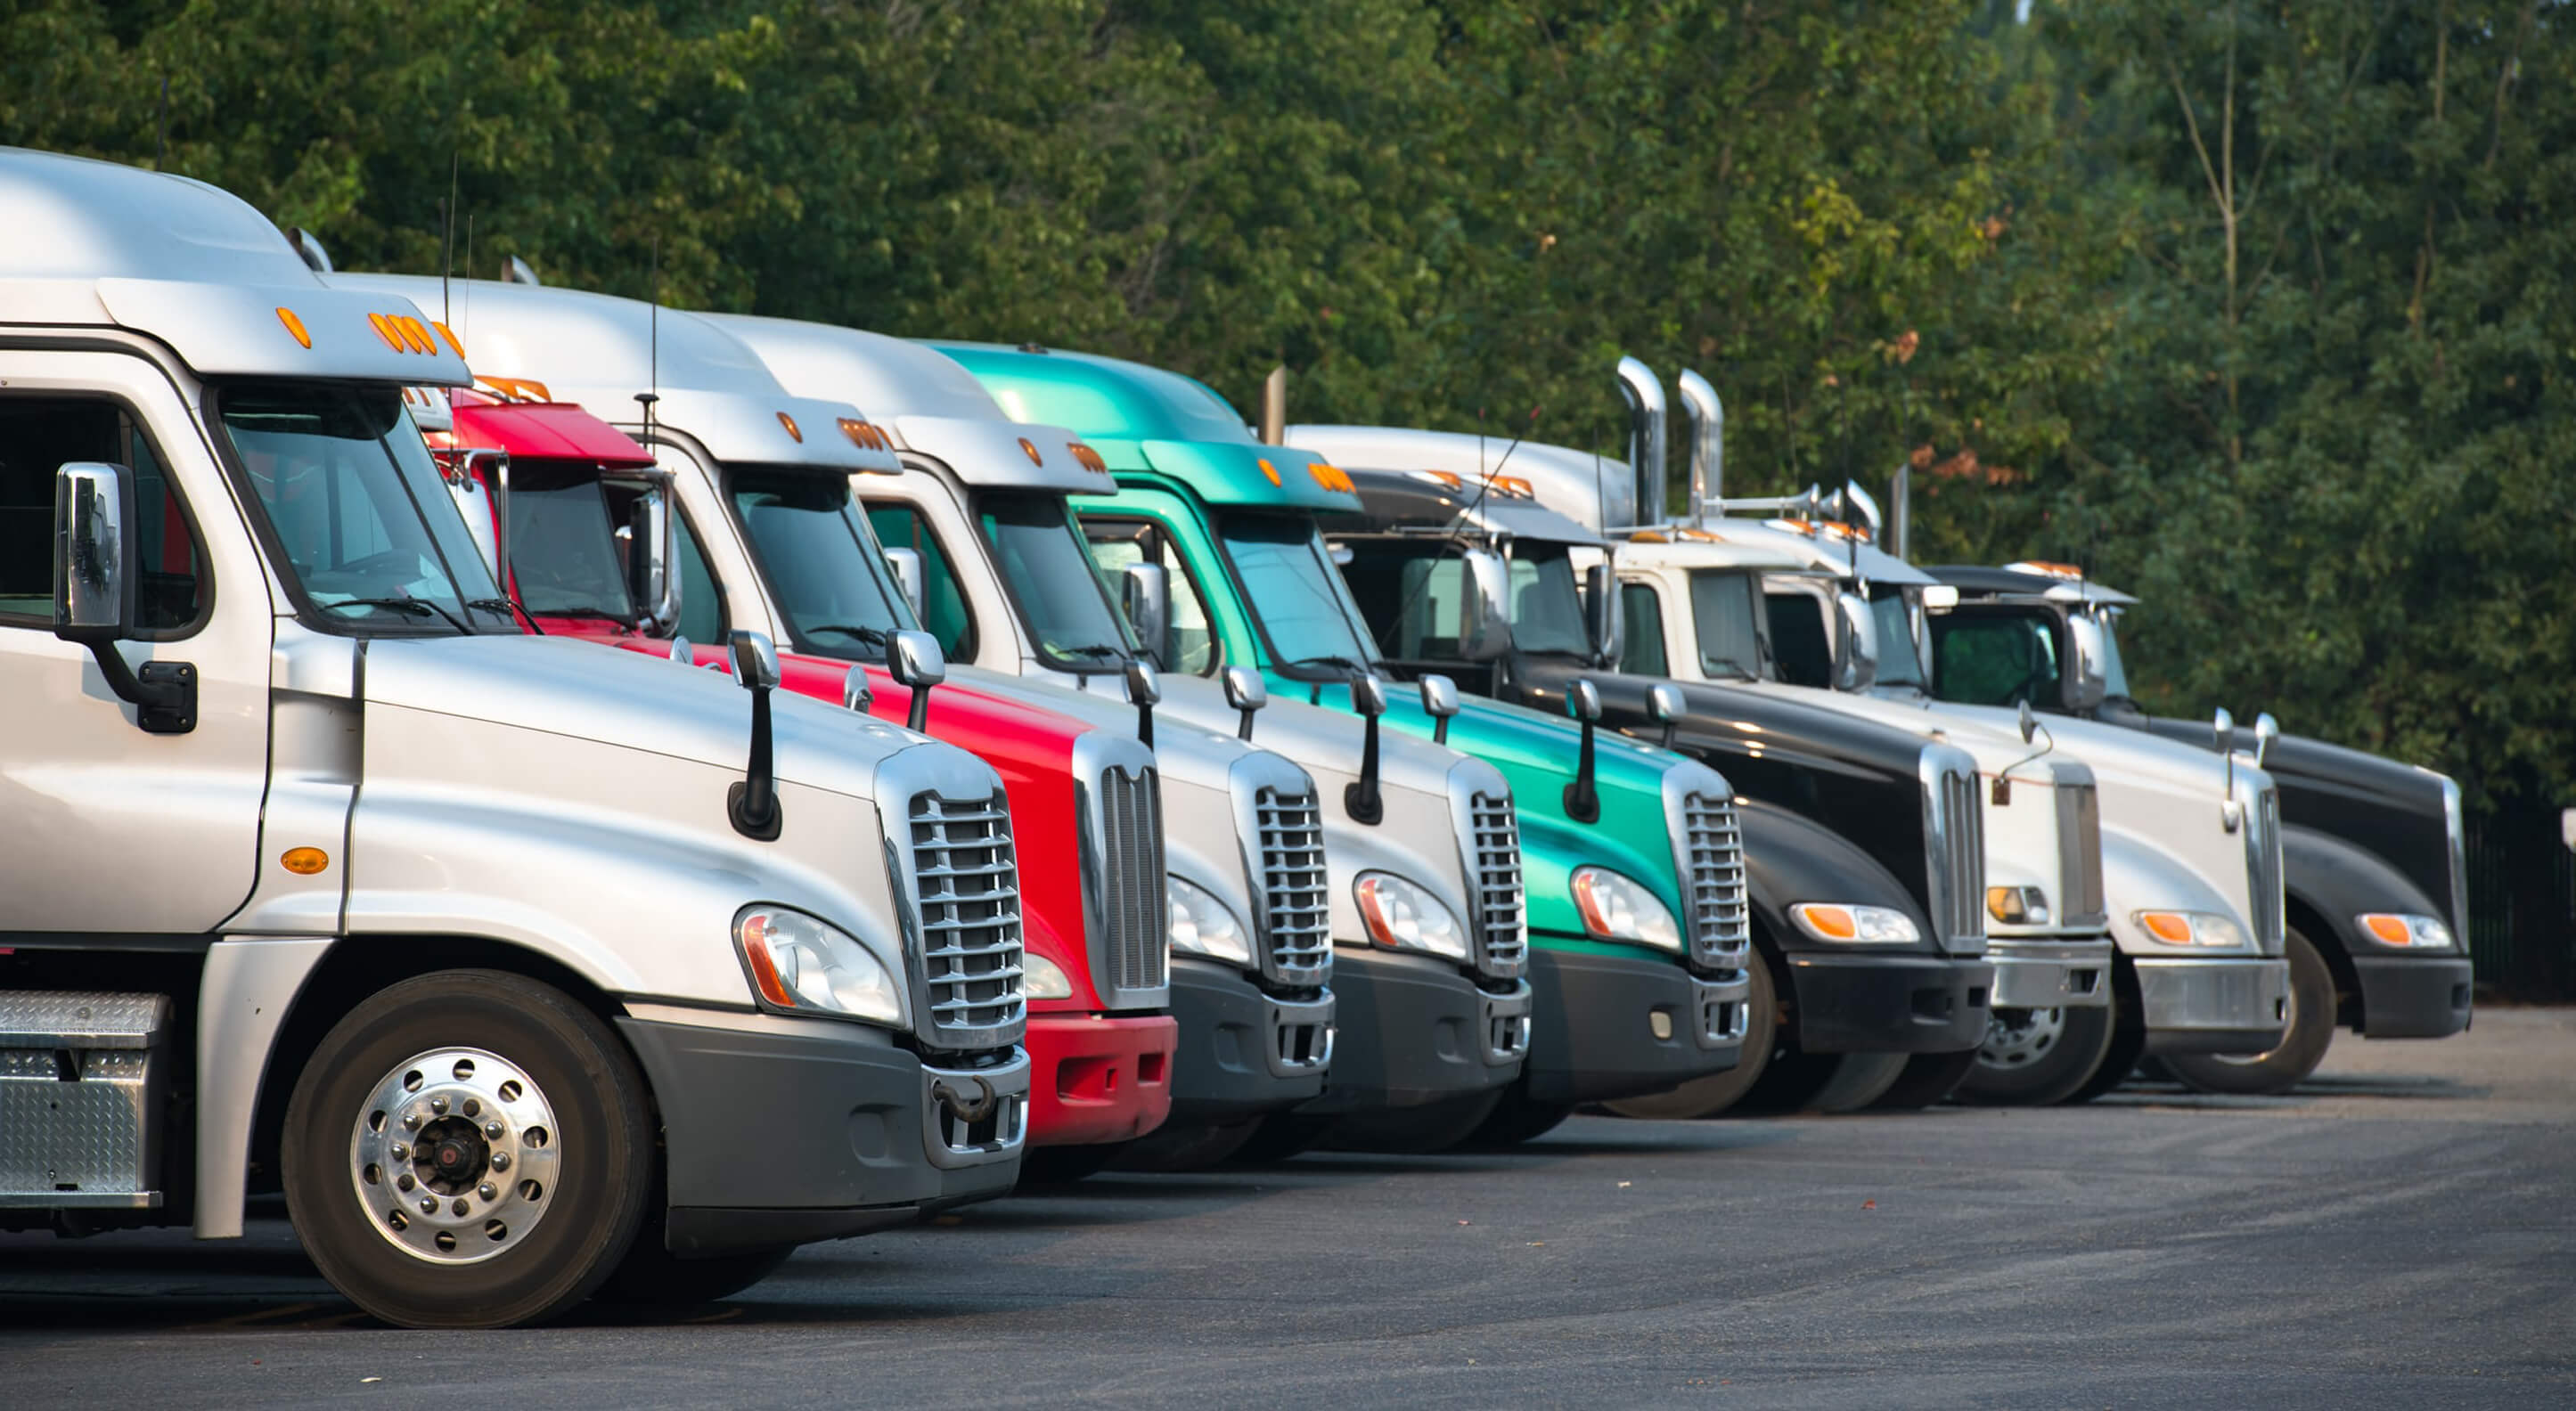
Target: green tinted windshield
{"points": [[369, 534], [822, 563], [1294, 592], [1986, 658], [1041, 555]]}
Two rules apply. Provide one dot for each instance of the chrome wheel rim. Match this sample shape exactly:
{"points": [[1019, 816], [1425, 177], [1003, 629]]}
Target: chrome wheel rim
{"points": [[454, 1156], [2020, 1043]]}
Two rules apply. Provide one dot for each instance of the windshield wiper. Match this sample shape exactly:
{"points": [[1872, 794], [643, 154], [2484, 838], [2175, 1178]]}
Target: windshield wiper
{"points": [[550, 610], [873, 636], [1343, 662], [412, 607], [1093, 650], [508, 608]]}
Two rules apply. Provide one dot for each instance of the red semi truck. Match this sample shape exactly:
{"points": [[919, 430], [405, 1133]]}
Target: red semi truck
{"points": [[603, 550]]}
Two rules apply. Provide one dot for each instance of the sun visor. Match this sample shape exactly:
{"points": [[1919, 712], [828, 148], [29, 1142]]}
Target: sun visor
{"points": [[1249, 473], [238, 330], [993, 454], [548, 431]]}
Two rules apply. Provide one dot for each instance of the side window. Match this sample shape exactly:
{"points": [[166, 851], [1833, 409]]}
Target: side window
{"points": [[702, 618], [1993, 660], [1641, 630], [37, 435], [899, 526], [1801, 647], [1387, 579], [1190, 646]]}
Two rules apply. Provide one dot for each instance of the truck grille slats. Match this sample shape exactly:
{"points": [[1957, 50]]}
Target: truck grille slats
{"points": [[1136, 926], [1713, 848], [966, 872], [1961, 859], [2079, 849], [1503, 944], [1296, 890]]}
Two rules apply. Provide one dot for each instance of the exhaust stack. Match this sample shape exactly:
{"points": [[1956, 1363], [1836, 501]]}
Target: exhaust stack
{"points": [[1645, 394], [1706, 418]]}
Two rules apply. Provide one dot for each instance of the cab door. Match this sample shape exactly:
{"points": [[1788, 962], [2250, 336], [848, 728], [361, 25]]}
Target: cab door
{"points": [[105, 828]]}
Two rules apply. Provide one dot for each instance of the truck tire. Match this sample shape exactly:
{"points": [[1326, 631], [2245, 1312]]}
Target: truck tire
{"points": [[1415, 1131], [2128, 1042], [1185, 1147], [1516, 1119], [1064, 1165], [2038, 1057], [2302, 1048], [1280, 1136], [518, 1118], [1928, 1078], [1709, 1096], [1826, 1083]]}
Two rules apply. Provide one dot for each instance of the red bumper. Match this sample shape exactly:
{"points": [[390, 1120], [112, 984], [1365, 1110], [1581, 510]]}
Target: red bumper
{"points": [[1094, 1079]]}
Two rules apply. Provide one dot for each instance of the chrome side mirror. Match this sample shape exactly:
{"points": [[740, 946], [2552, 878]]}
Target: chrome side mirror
{"points": [[1368, 695], [653, 551], [2223, 727], [857, 692], [1856, 665], [1583, 797], [915, 662], [682, 652], [1601, 611], [1145, 595], [94, 552], [1361, 798], [2266, 730], [755, 661], [906, 566], [2028, 722], [1485, 622], [2088, 673], [752, 804], [1143, 690], [1583, 702], [1246, 692], [1665, 706], [1440, 702]]}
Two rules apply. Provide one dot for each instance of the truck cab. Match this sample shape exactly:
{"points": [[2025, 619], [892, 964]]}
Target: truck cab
{"points": [[1642, 984], [317, 873], [750, 488], [2373, 851]]}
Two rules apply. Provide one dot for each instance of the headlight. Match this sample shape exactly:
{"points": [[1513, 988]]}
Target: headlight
{"points": [[1402, 916], [800, 965], [1045, 977], [2402, 929], [1847, 924], [1201, 925], [2017, 906], [2192, 928], [1615, 908]]}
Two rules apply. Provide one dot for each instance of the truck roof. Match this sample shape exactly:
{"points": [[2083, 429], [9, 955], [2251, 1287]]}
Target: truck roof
{"points": [[2032, 582], [196, 267], [1592, 490], [927, 401], [1144, 418], [1417, 498], [600, 351], [544, 431]]}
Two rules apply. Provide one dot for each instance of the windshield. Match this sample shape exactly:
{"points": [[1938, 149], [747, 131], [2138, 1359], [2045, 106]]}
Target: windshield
{"points": [[345, 483], [1722, 608], [1043, 558], [563, 546], [1986, 658], [1295, 595], [1900, 656], [1414, 592], [1547, 608], [821, 562], [2115, 674]]}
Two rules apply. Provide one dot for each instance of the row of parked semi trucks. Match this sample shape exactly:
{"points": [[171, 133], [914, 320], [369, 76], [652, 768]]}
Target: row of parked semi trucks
{"points": [[584, 797]]}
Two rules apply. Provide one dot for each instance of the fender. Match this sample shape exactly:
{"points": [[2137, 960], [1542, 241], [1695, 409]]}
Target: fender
{"points": [[1790, 859], [2339, 881]]}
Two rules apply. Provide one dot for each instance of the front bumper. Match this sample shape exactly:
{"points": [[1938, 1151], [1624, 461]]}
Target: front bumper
{"points": [[785, 1132], [1905, 1003], [1413, 1030], [1096, 1079], [2207, 1004], [2037, 974], [1605, 1027], [2413, 997], [1244, 1052]]}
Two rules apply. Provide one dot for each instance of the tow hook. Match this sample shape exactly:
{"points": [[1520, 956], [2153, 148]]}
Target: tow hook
{"points": [[963, 1109]]}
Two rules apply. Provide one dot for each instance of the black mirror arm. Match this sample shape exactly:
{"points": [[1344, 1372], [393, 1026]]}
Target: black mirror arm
{"points": [[1582, 800], [163, 694], [1361, 800], [753, 804], [1145, 724]]}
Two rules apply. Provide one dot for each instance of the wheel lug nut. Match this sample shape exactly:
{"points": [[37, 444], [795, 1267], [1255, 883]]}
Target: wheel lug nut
{"points": [[486, 1190], [428, 1205], [403, 1182], [472, 1108], [458, 1205], [438, 1105], [492, 1131], [500, 1161], [411, 1121], [400, 1152]]}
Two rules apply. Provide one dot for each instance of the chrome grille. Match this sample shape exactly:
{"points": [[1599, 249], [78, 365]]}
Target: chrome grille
{"points": [[966, 874], [2263, 869], [2079, 852], [1296, 894], [1134, 944], [1958, 860], [1503, 949], [1714, 874]]}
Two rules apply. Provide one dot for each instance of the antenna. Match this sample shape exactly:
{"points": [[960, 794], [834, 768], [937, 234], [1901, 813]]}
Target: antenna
{"points": [[447, 243], [161, 128], [469, 258], [653, 343]]}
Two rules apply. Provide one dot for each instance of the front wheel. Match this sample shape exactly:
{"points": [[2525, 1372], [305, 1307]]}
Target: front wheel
{"points": [[1709, 1096], [1928, 1078], [468, 1149], [1517, 1119], [2037, 1057], [2302, 1046], [1415, 1131], [1186, 1146]]}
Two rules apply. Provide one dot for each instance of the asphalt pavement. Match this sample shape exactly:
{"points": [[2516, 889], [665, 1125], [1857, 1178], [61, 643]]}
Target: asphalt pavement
{"points": [[2400, 1232]]}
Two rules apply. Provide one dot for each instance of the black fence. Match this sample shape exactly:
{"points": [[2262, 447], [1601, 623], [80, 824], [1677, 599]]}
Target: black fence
{"points": [[2522, 907]]}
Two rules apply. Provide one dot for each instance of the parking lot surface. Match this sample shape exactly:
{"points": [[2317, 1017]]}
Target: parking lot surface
{"points": [[2401, 1232]]}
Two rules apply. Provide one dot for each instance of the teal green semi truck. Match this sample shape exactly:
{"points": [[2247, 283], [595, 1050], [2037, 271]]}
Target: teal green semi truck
{"points": [[1632, 858]]}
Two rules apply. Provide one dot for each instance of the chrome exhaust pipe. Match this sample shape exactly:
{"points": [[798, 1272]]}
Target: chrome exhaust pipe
{"points": [[1645, 394], [1705, 417]]}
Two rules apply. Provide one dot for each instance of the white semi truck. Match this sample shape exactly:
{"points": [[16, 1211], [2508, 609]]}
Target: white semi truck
{"points": [[317, 874]]}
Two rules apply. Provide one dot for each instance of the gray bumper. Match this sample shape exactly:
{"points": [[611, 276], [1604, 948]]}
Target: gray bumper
{"points": [[2036, 974], [2199, 1004]]}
